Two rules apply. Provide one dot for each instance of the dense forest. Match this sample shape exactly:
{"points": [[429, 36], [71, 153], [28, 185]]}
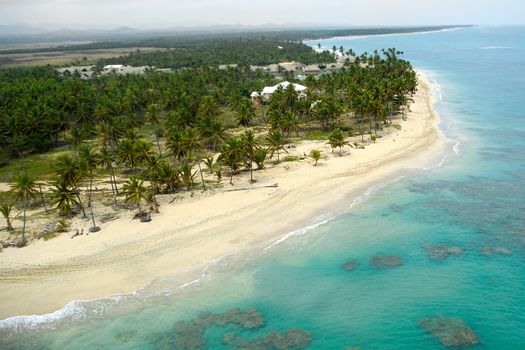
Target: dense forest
{"points": [[238, 51]]}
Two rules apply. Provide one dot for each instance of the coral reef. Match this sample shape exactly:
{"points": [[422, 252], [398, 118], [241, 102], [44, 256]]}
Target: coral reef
{"points": [[385, 261], [451, 332], [350, 265], [441, 252]]}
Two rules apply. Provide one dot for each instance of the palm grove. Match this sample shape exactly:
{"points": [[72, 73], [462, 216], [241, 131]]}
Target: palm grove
{"points": [[161, 133]]}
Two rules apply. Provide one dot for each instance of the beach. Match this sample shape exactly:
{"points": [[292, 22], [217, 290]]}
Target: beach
{"points": [[193, 231]]}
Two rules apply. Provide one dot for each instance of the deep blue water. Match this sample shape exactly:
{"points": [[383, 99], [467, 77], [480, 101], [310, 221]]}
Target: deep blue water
{"points": [[474, 201]]}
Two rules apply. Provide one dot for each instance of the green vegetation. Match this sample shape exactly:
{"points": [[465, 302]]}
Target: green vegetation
{"points": [[241, 51], [316, 155], [164, 133]]}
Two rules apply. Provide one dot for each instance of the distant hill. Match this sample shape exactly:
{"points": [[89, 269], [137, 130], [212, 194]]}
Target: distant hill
{"points": [[126, 35], [20, 30]]}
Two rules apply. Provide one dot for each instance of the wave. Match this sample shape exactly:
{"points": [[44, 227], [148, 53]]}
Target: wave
{"points": [[326, 218], [78, 310]]}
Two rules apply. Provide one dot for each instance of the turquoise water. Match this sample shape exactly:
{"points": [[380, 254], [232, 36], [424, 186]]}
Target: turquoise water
{"points": [[475, 201]]}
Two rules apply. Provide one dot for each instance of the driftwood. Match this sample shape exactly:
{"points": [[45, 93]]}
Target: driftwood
{"points": [[252, 188]]}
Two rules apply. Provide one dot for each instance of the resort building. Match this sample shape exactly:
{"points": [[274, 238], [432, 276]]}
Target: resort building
{"points": [[268, 91]]}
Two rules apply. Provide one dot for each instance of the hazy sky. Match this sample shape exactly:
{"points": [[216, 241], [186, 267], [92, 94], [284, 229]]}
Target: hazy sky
{"points": [[170, 13]]}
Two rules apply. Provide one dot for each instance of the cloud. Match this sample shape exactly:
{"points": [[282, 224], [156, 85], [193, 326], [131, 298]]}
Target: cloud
{"points": [[170, 13]]}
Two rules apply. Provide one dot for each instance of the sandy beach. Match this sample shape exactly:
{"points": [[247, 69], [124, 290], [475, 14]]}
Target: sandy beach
{"points": [[191, 232]]}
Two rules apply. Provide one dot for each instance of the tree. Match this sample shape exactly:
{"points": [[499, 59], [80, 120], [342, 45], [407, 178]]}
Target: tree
{"points": [[63, 197], [337, 139], [249, 145], [259, 156], [127, 153], [24, 187], [5, 209], [134, 192], [107, 160], [316, 155], [187, 174], [88, 161], [192, 144], [153, 114], [245, 112], [232, 154], [68, 171], [276, 141]]}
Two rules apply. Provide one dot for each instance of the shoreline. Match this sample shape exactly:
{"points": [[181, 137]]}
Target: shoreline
{"points": [[355, 37], [191, 233]]}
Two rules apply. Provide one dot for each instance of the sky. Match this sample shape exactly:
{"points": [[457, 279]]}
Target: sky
{"points": [[161, 14]]}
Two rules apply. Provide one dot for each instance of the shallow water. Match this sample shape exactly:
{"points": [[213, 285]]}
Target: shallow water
{"points": [[475, 200]]}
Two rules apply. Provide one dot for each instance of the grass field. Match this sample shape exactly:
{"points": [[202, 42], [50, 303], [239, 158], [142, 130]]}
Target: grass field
{"points": [[62, 58]]}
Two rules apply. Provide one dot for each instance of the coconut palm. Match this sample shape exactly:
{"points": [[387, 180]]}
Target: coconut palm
{"points": [[249, 145], [107, 160], [176, 145], [276, 140], [337, 139], [68, 171], [127, 153], [245, 112], [259, 156], [89, 159], [187, 174], [192, 144], [134, 192], [232, 154], [42, 196], [24, 187], [63, 197], [6, 209], [152, 116]]}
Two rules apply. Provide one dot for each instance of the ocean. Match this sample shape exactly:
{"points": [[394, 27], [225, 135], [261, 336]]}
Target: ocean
{"points": [[453, 232]]}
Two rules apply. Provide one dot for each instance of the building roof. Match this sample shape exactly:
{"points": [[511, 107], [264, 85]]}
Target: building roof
{"points": [[271, 89]]}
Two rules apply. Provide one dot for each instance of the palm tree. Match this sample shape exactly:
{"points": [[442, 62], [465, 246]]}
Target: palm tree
{"points": [[192, 144], [175, 144], [276, 140], [316, 155], [89, 159], [249, 145], [337, 139], [153, 114], [42, 196], [68, 171], [232, 154], [134, 192], [64, 197], [187, 175], [246, 112], [107, 160], [5, 209], [259, 156], [127, 153], [25, 188]]}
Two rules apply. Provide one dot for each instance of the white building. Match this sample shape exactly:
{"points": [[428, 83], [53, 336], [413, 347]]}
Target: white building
{"points": [[269, 90]]}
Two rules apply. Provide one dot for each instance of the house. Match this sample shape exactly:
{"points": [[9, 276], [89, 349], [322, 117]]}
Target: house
{"points": [[269, 90], [256, 99], [85, 72]]}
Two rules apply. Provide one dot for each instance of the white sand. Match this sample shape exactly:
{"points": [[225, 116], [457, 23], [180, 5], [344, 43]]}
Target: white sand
{"points": [[191, 232]]}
